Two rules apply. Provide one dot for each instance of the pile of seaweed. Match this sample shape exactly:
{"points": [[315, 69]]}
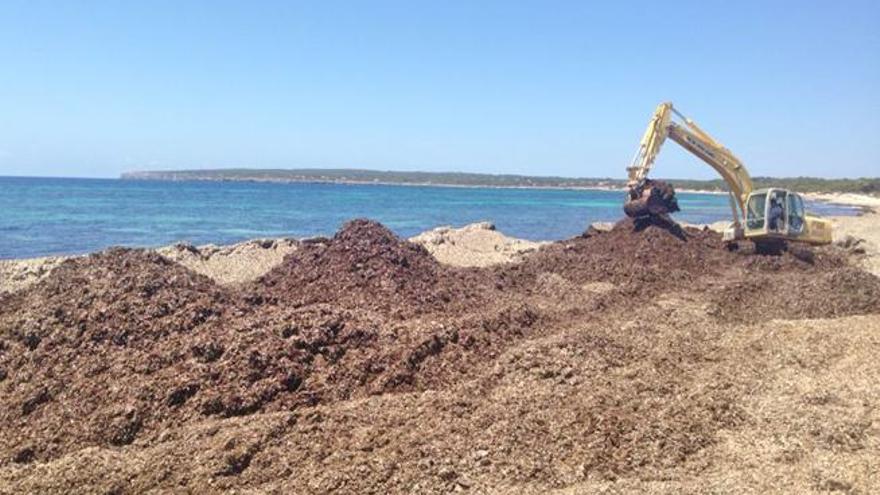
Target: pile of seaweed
{"points": [[118, 348]]}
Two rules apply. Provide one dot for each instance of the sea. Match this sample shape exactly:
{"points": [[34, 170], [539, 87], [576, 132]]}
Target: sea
{"points": [[55, 216]]}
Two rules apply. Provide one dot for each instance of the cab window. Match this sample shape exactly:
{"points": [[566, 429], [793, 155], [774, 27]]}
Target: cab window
{"points": [[795, 212], [755, 214]]}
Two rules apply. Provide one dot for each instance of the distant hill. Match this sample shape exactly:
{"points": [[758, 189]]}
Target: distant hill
{"points": [[360, 176]]}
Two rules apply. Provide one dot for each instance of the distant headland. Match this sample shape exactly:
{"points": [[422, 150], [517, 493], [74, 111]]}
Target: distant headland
{"points": [[462, 179]]}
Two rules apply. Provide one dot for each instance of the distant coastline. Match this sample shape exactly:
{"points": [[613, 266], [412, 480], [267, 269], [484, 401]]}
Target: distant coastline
{"points": [[367, 177], [870, 186]]}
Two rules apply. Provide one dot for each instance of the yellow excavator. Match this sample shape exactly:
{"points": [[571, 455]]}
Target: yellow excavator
{"points": [[769, 217]]}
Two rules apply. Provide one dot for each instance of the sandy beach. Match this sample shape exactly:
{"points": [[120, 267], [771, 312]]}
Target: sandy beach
{"points": [[460, 360]]}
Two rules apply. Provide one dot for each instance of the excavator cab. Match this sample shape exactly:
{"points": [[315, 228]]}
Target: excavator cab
{"points": [[774, 216], [774, 213]]}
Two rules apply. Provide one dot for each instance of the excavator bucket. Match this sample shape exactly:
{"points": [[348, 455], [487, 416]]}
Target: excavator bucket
{"points": [[651, 198]]}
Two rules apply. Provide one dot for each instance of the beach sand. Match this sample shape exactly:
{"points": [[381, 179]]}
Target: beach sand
{"points": [[234, 264], [228, 265], [477, 244], [862, 234], [466, 361], [16, 275]]}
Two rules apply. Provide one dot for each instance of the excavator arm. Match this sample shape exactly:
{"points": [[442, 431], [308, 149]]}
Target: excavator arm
{"points": [[685, 132]]}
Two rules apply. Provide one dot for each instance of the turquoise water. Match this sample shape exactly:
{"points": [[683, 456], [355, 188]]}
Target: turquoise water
{"points": [[40, 216]]}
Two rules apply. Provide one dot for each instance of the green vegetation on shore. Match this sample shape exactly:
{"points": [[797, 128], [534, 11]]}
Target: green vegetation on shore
{"points": [[864, 185], [359, 176]]}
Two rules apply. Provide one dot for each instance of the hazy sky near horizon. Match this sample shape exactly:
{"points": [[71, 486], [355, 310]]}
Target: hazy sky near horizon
{"points": [[530, 87]]}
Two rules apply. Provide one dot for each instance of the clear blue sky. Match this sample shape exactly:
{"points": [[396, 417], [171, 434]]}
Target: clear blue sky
{"points": [[543, 87]]}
